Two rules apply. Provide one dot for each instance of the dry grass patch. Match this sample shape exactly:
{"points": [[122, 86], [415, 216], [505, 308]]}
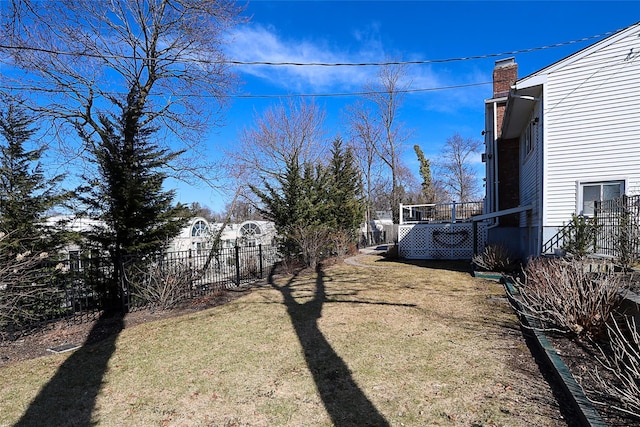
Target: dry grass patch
{"points": [[408, 344]]}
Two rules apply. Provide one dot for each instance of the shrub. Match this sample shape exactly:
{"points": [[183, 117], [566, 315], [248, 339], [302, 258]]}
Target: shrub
{"points": [[570, 296], [626, 239], [27, 287], [580, 237], [494, 258], [314, 242], [623, 361], [341, 242], [392, 251], [162, 286]]}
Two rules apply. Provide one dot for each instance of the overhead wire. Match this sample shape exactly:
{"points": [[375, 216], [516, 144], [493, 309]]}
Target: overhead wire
{"points": [[324, 64], [320, 64]]}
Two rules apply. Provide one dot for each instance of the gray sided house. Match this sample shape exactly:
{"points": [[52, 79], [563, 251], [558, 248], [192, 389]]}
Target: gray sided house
{"points": [[561, 139]]}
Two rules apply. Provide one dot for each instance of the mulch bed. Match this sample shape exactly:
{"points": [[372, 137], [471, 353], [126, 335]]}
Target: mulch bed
{"points": [[63, 332], [580, 357]]}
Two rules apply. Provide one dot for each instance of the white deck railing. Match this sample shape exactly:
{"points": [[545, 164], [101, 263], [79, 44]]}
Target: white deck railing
{"points": [[439, 213]]}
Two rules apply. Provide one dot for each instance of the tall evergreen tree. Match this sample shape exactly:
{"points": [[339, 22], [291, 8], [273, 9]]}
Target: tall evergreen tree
{"points": [[345, 190], [428, 191], [127, 195], [284, 204], [26, 194], [311, 203]]}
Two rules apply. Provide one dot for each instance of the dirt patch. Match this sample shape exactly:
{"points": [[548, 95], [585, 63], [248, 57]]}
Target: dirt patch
{"points": [[65, 332], [581, 358]]}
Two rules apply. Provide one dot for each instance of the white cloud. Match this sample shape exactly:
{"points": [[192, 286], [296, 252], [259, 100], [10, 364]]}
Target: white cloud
{"points": [[255, 42], [259, 43]]}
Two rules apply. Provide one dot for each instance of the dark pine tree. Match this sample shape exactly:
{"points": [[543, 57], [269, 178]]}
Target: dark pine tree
{"points": [[344, 196], [310, 200], [26, 194], [428, 192], [127, 195], [283, 203]]}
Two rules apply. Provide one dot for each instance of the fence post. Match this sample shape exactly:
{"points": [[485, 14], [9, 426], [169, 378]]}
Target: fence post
{"points": [[190, 264], [125, 288], [453, 212], [596, 229], [237, 265], [475, 236], [260, 257]]}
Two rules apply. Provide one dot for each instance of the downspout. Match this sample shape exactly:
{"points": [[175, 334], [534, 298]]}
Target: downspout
{"points": [[541, 171], [494, 142]]}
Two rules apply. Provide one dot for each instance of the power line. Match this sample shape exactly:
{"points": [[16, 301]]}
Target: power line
{"points": [[346, 94], [316, 64], [290, 95], [419, 62]]}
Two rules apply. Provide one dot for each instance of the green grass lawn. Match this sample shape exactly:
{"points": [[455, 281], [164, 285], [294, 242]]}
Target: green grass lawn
{"points": [[392, 344]]}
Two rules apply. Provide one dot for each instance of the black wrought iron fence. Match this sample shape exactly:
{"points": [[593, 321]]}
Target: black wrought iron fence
{"points": [[75, 288], [618, 227]]}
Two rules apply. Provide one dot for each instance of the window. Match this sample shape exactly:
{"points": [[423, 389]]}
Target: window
{"points": [[249, 234], [74, 260], [250, 229], [199, 229], [592, 192], [528, 139]]}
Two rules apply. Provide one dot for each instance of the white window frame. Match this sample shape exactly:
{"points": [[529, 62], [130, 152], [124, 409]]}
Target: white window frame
{"points": [[581, 184], [529, 139]]}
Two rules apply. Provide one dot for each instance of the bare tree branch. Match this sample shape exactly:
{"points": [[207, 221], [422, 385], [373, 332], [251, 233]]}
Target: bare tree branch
{"points": [[80, 59], [456, 169], [282, 133]]}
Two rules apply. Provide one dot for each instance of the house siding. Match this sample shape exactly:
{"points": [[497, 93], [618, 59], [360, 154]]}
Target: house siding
{"points": [[531, 186], [592, 120], [530, 177]]}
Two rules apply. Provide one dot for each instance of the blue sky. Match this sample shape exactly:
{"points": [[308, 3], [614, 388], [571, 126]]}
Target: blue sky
{"points": [[374, 31]]}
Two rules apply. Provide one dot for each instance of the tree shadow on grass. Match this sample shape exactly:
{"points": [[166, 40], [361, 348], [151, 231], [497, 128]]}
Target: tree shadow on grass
{"points": [[461, 266], [345, 403], [69, 398]]}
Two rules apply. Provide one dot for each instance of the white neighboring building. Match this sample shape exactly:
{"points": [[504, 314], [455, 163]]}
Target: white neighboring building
{"points": [[196, 235]]}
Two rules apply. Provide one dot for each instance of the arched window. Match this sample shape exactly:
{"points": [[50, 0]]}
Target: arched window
{"points": [[199, 229], [250, 233], [250, 229]]}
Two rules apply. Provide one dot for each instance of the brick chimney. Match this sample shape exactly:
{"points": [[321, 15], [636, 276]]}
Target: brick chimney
{"points": [[505, 74]]}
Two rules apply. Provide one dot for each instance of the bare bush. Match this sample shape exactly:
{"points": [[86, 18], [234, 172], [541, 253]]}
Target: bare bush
{"points": [[314, 242], [342, 242], [494, 258], [626, 239], [24, 288], [571, 295], [251, 265], [162, 286], [623, 362]]}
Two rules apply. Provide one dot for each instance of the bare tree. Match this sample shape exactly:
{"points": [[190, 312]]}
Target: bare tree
{"points": [[157, 61], [381, 126], [243, 209], [285, 131], [364, 138], [457, 173]]}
